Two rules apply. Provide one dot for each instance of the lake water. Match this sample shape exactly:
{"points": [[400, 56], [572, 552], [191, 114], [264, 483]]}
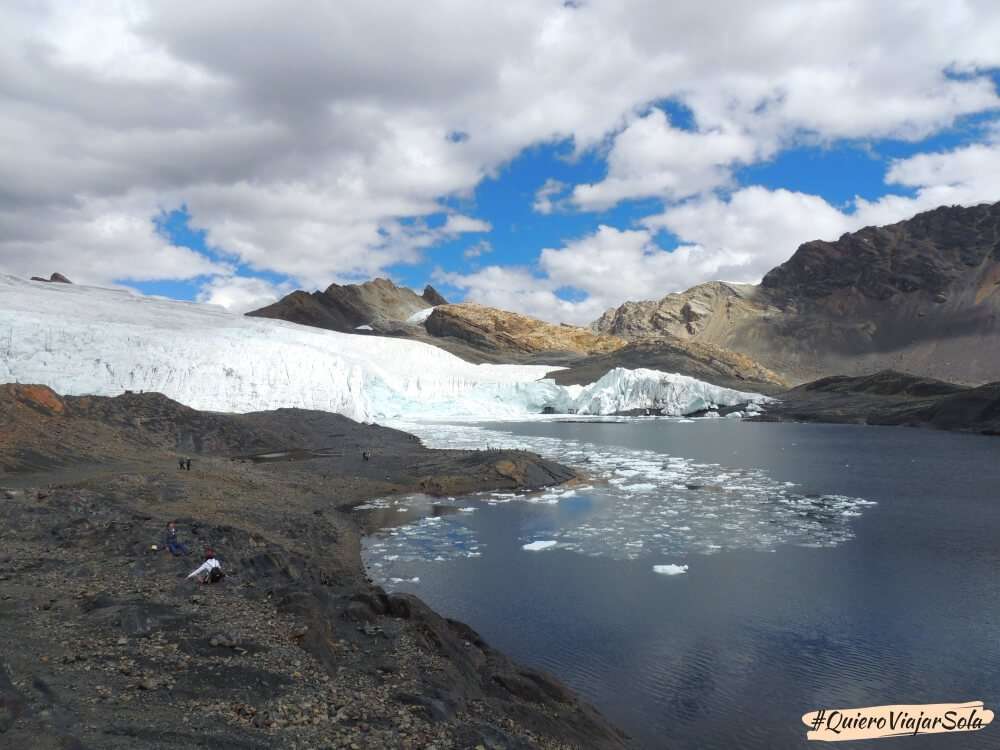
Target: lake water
{"points": [[828, 566]]}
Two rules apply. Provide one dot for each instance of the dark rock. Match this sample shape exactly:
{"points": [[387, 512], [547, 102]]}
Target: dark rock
{"points": [[55, 277], [433, 297], [344, 308], [13, 704], [891, 398]]}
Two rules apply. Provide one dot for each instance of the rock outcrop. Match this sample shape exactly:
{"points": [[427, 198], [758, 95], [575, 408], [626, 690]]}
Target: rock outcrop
{"points": [[378, 304], [490, 329], [55, 277], [921, 295], [670, 354], [891, 398], [432, 297]]}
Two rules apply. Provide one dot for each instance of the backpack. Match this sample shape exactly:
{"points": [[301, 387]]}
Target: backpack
{"points": [[215, 575]]}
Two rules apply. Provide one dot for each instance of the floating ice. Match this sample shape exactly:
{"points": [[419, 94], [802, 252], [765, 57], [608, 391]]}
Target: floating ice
{"points": [[539, 545], [648, 503], [670, 570]]}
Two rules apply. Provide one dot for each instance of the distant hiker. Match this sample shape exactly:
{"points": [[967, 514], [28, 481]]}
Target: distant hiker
{"points": [[180, 464], [366, 455], [209, 571], [187, 464], [172, 543]]}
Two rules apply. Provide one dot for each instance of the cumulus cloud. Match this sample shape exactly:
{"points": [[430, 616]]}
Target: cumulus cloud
{"points": [[483, 247], [315, 141], [736, 238], [241, 293], [547, 197], [458, 224], [650, 158], [520, 289]]}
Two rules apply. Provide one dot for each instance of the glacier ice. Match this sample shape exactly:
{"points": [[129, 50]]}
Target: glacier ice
{"points": [[670, 570], [539, 545], [90, 340], [420, 316]]}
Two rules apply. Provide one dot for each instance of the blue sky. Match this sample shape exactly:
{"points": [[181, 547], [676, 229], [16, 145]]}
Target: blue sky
{"points": [[838, 172], [550, 158]]}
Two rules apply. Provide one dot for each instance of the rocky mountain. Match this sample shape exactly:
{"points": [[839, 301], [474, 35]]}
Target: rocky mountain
{"points": [[491, 329], [377, 304], [480, 334], [670, 354], [922, 295], [891, 398]]}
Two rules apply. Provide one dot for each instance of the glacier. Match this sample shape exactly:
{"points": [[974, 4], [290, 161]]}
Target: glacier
{"points": [[90, 340]]}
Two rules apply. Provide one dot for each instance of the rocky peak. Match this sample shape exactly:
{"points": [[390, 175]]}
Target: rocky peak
{"points": [[375, 303], [56, 277], [433, 297], [921, 295], [927, 253]]}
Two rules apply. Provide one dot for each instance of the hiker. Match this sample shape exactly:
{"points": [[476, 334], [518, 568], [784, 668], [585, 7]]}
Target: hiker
{"points": [[187, 464], [172, 543], [180, 464], [366, 455], [210, 570]]}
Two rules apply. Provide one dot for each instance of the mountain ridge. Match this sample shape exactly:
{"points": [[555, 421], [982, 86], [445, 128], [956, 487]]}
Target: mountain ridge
{"points": [[921, 295]]}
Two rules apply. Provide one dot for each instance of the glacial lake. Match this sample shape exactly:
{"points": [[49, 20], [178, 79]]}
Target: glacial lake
{"points": [[827, 566]]}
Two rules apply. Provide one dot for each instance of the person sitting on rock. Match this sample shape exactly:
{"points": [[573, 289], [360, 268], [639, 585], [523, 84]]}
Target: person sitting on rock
{"points": [[172, 543], [209, 571]]}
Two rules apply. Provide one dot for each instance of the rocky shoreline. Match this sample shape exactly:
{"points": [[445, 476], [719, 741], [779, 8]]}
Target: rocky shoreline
{"points": [[108, 645], [890, 398]]}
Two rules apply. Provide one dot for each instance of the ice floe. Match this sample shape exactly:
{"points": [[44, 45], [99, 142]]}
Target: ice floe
{"points": [[670, 570], [539, 545]]}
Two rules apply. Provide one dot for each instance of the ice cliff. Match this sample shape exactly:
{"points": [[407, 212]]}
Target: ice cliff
{"points": [[89, 340]]}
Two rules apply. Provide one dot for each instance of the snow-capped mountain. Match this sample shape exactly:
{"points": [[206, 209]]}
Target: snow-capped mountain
{"points": [[89, 340]]}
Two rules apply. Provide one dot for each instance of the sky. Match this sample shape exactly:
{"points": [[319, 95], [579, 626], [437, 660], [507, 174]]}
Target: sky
{"points": [[553, 158]]}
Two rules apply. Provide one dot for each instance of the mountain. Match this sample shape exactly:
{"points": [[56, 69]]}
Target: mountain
{"points": [[922, 295], [670, 354], [375, 303], [491, 329], [480, 334], [891, 398], [87, 340]]}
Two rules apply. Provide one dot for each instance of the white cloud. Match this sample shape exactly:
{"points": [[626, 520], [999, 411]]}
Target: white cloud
{"points": [[519, 289], [651, 158], [301, 135], [547, 196], [483, 247], [459, 224], [95, 241], [241, 293], [738, 238]]}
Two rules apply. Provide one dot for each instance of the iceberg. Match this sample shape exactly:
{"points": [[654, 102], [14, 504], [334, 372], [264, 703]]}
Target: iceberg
{"points": [[670, 570], [539, 545], [82, 340]]}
